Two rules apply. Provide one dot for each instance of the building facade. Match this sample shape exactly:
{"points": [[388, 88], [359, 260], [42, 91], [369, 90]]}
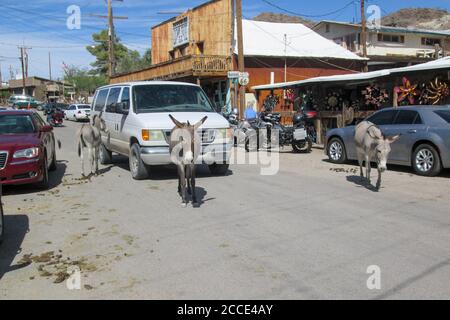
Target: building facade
{"points": [[199, 46], [388, 47], [41, 89]]}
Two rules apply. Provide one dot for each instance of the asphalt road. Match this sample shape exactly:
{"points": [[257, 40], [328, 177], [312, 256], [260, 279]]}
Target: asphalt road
{"points": [[309, 232]]}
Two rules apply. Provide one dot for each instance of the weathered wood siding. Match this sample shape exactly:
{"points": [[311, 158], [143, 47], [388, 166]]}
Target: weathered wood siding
{"points": [[209, 23]]}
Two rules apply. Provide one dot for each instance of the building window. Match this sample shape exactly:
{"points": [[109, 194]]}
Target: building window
{"points": [[180, 32], [391, 38], [327, 28], [431, 42]]}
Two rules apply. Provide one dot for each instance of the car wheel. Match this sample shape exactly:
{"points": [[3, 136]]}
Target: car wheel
{"points": [[105, 155], [137, 166], [219, 169], [426, 161], [336, 151], [44, 184], [2, 220], [53, 165]]}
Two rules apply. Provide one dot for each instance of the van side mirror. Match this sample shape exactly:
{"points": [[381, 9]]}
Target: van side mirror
{"points": [[123, 107]]}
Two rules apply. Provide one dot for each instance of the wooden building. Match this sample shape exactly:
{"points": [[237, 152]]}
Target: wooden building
{"points": [[199, 46]]}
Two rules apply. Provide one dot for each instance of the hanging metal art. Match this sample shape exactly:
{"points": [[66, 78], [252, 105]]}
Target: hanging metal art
{"points": [[333, 101], [375, 96], [408, 92], [271, 102], [437, 91]]}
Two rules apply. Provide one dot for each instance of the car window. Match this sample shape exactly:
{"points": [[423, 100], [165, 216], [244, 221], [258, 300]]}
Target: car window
{"points": [[84, 107], [170, 98], [101, 100], [444, 114], [125, 95], [408, 117], [16, 124], [383, 117], [113, 97]]}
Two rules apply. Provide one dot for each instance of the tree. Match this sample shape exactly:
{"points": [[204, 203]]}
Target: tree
{"points": [[83, 80], [127, 60]]}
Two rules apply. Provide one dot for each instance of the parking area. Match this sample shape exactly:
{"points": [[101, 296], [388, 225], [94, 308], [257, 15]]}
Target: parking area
{"points": [[309, 232]]}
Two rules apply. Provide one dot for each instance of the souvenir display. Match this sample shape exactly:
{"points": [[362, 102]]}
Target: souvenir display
{"points": [[437, 91], [407, 93], [375, 96]]}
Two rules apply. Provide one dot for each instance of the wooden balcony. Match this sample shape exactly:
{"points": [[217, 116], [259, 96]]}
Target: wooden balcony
{"points": [[196, 65]]}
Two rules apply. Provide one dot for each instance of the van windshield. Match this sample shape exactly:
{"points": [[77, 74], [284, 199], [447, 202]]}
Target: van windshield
{"points": [[170, 98]]}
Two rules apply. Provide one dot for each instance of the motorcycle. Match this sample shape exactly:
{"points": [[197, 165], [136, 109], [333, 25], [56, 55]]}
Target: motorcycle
{"points": [[55, 119], [296, 136]]}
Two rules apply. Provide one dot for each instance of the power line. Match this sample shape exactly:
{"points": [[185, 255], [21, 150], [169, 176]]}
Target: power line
{"points": [[309, 15]]}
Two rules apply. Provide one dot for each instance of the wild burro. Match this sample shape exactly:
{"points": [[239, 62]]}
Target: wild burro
{"points": [[185, 146], [372, 145], [89, 136]]}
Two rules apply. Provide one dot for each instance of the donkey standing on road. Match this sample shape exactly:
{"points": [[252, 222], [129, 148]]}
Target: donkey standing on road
{"points": [[89, 136], [185, 145], [371, 144]]}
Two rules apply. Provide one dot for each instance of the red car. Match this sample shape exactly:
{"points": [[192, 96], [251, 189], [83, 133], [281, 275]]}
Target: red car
{"points": [[27, 148]]}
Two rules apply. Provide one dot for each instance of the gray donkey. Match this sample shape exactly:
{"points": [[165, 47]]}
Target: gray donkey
{"points": [[185, 145], [371, 144], [89, 136]]}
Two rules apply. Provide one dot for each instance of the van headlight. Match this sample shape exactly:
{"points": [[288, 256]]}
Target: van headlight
{"points": [[26, 153], [153, 135]]}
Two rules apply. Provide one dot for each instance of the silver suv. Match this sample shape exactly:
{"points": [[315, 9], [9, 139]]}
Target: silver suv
{"points": [[137, 116]]}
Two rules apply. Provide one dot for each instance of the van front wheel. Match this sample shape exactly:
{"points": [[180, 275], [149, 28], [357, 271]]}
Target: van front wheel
{"points": [[137, 166]]}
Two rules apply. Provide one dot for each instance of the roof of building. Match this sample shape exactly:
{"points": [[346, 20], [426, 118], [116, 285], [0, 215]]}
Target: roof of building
{"points": [[389, 29], [443, 63], [268, 39]]}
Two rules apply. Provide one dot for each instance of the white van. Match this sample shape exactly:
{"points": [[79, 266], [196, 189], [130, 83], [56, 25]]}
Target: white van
{"points": [[137, 116]]}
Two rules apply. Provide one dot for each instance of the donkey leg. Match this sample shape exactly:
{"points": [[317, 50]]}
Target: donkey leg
{"points": [[368, 168], [361, 162], [96, 154], [91, 159], [182, 175], [194, 192], [379, 180], [82, 161]]}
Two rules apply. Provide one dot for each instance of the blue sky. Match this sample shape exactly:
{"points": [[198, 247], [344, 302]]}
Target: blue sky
{"points": [[41, 24]]}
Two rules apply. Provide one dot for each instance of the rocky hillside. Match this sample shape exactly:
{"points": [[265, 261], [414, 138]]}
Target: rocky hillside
{"points": [[423, 18], [283, 18]]}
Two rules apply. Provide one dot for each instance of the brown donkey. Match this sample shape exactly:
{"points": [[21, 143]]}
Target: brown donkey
{"points": [[185, 146]]}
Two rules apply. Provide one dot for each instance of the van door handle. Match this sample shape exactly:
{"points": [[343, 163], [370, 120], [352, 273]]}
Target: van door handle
{"points": [[412, 131]]}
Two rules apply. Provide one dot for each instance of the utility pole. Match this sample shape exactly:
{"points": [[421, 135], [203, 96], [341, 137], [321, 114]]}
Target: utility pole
{"points": [[1, 79], [11, 72], [285, 57], [364, 33], [23, 69], [49, 66], [111, 37], [241, 65]]}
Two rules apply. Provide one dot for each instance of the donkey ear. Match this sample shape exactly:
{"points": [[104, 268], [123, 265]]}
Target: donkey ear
{"points": [[199, 124], [177, 123], [373, 135], [93, 119], [392, 139]]}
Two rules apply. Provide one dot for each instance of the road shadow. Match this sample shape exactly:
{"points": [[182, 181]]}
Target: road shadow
{"points": [[16, 228], [55, 179], [362, 182], [391, 167], [167, 172]]}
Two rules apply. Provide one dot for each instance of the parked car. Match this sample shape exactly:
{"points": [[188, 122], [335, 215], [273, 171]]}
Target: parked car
{"points": [[78, 112], [47, 108], [424, 142], [137, 116], [2, 219], [27, 148], [22, 101]]}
